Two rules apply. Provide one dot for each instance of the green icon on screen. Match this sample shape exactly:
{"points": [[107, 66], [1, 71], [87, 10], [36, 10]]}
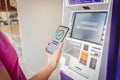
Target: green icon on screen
{"points": [[59, 34]]}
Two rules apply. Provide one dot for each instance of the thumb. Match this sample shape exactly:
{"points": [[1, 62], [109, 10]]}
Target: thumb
{"points": [[61, 46]]}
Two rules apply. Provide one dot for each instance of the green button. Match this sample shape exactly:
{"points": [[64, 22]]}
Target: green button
{"points": [[59, 34]]}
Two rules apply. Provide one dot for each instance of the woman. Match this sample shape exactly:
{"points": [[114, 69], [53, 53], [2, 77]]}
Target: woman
{"points": [[10, 68]]}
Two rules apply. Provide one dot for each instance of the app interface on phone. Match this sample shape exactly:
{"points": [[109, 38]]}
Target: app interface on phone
{"points": [[57, 39]]}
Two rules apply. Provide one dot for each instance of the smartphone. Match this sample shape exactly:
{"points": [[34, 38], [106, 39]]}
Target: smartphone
{"points": [[58, 37]]}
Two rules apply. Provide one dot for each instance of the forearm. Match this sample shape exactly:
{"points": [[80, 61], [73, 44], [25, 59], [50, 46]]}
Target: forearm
{"points": [[4, 74], [53, 60], [44, 73]]}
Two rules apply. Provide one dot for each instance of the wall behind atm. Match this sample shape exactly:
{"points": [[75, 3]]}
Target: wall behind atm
{"points": [[38, 21]]}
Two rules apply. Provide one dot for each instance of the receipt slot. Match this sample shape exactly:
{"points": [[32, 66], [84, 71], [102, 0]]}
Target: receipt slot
{"points": [[85, 44]]}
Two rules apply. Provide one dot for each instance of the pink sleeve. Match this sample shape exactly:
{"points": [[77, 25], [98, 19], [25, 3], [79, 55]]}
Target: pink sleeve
{"points": [[1, 64]]}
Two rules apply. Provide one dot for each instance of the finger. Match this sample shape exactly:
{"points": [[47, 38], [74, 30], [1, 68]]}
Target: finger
{"points": [[49, 43], [46, 50], [61, 45], [60, 48]]}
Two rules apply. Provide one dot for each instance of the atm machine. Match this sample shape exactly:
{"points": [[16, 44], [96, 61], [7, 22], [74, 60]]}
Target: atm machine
{"points": [[85, 52]]}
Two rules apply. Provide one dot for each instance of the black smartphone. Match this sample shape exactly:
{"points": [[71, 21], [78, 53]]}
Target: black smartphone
{"points": [[58, 37]]}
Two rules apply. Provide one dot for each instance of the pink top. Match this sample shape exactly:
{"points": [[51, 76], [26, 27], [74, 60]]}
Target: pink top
{"points": [[9, 59]]}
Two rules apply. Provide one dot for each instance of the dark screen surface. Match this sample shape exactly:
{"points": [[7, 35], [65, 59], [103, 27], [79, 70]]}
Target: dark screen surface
{"points": [[88, 26]]}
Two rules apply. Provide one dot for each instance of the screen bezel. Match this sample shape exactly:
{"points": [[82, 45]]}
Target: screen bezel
{"points": [[73, 16]]}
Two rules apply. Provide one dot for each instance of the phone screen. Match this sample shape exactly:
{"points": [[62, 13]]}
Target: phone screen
{"points": [[57, 38]]}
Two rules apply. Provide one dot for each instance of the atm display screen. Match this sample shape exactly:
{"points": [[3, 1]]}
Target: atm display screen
{"points": [[88, 26]]}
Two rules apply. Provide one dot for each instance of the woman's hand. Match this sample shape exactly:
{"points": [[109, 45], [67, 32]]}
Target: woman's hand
{"points": [[53, 59]]}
